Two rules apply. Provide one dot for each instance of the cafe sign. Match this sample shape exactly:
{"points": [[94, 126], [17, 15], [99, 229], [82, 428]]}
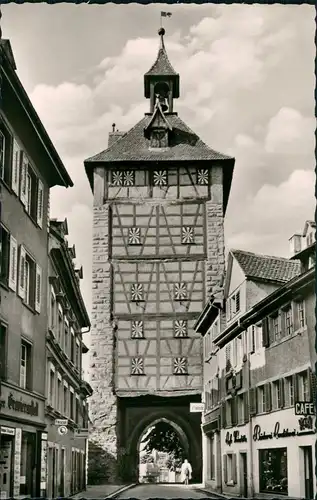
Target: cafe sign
{"points": [[235, 437], [304, 408]]}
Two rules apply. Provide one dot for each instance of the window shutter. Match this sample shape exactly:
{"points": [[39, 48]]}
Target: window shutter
{"points": [[246, 407], [15, 167], [24, 167], [48, 210], [13, 262], [265, 333], [295, 385], [38, 288], [268, 397], [234, 468], [252, 401], [312, 380], [225, 469], [234, 411], [21, 285], [40, 200], [282, 393], [223, 416]]}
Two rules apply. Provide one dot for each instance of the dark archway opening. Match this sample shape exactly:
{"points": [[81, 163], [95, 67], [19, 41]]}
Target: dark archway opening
{"points": [[163, 446]]}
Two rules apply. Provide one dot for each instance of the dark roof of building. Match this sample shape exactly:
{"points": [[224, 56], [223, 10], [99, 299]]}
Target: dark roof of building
{"points": [[134, 146], [266, 267], [162, 65]]}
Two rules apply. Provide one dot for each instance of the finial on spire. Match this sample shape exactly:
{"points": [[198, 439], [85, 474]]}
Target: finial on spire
{"points": [[113, 127], [161, 32]]}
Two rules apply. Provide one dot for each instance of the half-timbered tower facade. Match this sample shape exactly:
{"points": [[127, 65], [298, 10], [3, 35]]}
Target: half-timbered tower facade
{"points": [[160, 195]]}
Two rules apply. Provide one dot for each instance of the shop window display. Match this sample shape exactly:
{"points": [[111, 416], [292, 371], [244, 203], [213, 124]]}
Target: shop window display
{"points": [[273, 470]]}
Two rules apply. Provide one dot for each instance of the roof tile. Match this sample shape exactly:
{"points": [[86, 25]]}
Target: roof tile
{"points": [[134, 146], [266, 267]]}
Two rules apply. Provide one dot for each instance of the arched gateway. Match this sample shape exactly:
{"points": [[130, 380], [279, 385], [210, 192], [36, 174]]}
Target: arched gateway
{"points": [[160, 195]]}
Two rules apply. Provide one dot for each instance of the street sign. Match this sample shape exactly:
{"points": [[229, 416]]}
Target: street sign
{"points": [[196, 407], [81, 433], [304, 408], [62, 430], [61, 421]]}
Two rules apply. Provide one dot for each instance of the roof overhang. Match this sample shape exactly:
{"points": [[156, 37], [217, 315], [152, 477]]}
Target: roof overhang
{"points": [[63, 263], [208, 316], [298, 285], [56, 168]]}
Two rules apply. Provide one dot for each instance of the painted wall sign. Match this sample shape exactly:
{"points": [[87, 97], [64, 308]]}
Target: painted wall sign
{"points": [[258, 435], [304, 408], [18, 403], [235, 437], [196, 407], [23, 407]]}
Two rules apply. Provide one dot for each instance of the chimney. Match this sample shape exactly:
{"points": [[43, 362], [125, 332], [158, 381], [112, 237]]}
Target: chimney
{"points": [[114, 135], [295, 244]]}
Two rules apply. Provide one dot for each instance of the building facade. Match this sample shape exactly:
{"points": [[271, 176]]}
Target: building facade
{"points": [[266, 359], [29, 167], [66, 391], [160, 195]]}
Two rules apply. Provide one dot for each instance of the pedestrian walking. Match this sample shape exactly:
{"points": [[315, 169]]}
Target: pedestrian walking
{"points": [[186, 472]]}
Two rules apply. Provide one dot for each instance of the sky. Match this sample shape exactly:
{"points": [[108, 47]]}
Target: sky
{"points": [[247, 89]]}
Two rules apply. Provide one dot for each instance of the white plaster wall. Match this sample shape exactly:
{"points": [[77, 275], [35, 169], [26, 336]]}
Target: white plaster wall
{"points": [[288, 420], [238, 448], [236, 279]]}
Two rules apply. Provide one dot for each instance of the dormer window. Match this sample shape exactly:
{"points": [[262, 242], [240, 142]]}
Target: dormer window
{"points": [[159, 138]]}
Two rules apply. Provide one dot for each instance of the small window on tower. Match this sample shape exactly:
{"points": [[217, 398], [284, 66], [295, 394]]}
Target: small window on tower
{"points": [[159, 139]]}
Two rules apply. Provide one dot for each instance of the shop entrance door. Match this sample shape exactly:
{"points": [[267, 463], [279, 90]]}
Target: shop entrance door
{"points": [[6, 455], [244, 474], [308, 471]]}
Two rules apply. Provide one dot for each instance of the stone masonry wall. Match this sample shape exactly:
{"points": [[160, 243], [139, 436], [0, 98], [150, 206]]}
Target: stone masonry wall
{"points": [[215, 248], [103, 403]]}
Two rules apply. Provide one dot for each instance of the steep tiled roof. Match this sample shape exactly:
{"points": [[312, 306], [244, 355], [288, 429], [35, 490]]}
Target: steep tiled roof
{"points": [[162, 66], [134, 146], [266, 267]]}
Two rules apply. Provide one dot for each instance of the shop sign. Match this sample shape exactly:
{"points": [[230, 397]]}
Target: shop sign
{"points": [[9, 431], [235, 437], [17, 463], [258, 435], [62, 430], [15, 402], [81, 433], [196, 407], [61, 421], [304, 408], [23, 407], [305, 423]]}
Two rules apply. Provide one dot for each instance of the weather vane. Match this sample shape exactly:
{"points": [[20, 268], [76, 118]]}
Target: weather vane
{"points": [[165, 14]]}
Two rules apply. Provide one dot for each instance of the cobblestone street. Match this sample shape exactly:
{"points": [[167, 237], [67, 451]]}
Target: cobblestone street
{"points": [[163, 491]]}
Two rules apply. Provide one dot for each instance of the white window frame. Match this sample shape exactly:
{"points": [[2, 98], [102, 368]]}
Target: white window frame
{"points": [[261, 390], [23, 365], [301, 313], [303, 386]]}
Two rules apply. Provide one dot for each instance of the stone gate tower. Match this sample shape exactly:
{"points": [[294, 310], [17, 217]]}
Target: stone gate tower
{"points": [[160, 196]]}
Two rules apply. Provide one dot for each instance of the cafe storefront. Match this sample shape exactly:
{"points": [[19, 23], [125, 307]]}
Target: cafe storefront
{"points": [[236, 463], [22, 443], [283, 443]]}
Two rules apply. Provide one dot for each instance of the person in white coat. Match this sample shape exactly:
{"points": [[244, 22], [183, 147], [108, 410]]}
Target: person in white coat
{"points": [[186, 472]]}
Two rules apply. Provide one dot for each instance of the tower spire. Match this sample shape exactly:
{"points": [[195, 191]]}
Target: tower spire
{"points": [[161, 78]]}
